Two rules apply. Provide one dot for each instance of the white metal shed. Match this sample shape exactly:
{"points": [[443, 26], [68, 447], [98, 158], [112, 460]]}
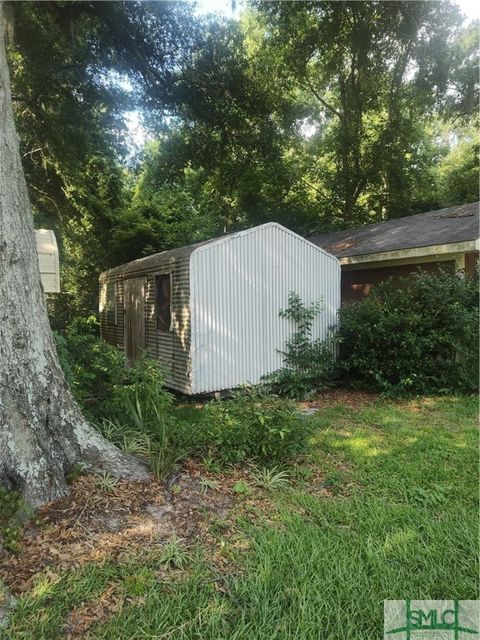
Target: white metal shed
{"points": [[47, 251], [224, 297]]}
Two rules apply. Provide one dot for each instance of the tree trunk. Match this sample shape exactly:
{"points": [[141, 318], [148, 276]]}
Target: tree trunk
{"points": [[42, 431]]}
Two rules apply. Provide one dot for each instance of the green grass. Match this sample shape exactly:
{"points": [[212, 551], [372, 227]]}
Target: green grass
{"points": [[401, 522]]}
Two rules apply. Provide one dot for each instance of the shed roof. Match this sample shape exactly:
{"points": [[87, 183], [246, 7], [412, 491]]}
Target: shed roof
{"points": [[155, 260], [444, 226], [164, 257]]}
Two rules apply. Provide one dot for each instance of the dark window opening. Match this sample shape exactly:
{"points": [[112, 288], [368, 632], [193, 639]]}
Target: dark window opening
{"points": [[163, 302]]}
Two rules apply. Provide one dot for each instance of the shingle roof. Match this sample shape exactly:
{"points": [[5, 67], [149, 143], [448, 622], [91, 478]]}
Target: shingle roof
{"points": [[444, 226]]}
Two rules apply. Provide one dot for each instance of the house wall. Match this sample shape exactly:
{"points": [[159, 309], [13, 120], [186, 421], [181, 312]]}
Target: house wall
{"points": [[357, 283], [238, 287], [471, 263]]}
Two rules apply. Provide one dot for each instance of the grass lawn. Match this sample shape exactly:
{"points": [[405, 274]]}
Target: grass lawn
{"points": [[385, 506]]}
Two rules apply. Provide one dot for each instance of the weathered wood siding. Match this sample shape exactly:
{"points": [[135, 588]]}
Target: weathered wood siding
{"points": [[170, 348]]}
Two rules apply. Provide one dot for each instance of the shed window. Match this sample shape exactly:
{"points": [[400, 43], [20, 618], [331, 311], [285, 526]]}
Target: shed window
{"points": [[111, 303], [163, 302]]}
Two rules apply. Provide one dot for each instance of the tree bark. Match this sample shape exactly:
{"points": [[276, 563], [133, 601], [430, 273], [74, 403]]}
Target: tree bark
{"points": [[42, 431]]}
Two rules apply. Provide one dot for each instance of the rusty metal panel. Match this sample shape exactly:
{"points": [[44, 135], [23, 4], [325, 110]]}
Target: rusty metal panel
{"points": [[134, 294], [170, 348], [112, 333]]}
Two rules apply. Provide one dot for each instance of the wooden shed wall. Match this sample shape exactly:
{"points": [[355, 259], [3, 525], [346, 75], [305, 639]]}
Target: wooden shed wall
{"points": [[170, 348]]}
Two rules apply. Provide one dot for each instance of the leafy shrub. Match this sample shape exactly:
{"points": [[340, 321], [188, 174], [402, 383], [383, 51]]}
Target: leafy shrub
{"points": [[415, 335], [10, 522], [308, 364], [134, 410], [91, 366], [252, 425], [141, 397], [141, 418]]}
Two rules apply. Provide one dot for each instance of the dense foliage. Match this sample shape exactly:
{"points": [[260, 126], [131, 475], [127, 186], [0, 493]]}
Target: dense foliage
{"points": [[415, 335], [250, 427], [253, 426], [78, 69], [93, 368], [308, 363], [133, 408], [318, 115]]}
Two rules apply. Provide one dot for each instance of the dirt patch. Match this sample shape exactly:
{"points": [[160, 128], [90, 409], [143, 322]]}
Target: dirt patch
{"points": [[94, 523], [351, 398]]}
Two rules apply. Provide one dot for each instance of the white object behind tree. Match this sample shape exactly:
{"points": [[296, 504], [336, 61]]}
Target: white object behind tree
{"points": [[48, 260]]}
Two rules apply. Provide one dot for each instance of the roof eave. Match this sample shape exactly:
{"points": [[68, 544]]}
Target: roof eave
{"points": [[416, 252]]}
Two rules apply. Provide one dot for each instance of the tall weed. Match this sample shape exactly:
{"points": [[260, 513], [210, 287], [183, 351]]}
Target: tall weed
{"points": [[308, 363]]}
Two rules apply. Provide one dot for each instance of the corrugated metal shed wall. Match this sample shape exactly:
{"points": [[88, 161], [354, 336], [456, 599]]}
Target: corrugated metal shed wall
{"points": [[112, 333], [171, 349], [238, 286]]}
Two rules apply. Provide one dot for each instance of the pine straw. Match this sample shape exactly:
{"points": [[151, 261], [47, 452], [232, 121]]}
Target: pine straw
{"points": [[351, 398], [92, 524]]}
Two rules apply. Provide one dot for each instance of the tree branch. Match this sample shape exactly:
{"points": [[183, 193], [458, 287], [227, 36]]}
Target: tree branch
{"points": [[328, 106]]}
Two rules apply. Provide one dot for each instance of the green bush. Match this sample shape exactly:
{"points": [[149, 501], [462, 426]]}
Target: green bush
{"points": [[140, 395], [91, 366], [251, 426], [308, 364], [418, 334], [141, 418], [12, 511], [133, 409]]}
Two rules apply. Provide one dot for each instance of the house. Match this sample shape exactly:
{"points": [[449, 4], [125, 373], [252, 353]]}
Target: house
{"points": [[48, 261], [447, 238], [209, 312]]}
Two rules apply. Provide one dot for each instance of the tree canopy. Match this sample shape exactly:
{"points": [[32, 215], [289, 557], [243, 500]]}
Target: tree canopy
{"points": [[319, 115]]}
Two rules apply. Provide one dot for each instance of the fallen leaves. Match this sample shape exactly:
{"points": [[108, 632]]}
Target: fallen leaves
{"points": [[93, 525], [350, 398], [84, 617]]}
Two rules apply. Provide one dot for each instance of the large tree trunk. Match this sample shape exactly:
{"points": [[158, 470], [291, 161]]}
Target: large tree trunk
{"points": [[42, 431]]}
